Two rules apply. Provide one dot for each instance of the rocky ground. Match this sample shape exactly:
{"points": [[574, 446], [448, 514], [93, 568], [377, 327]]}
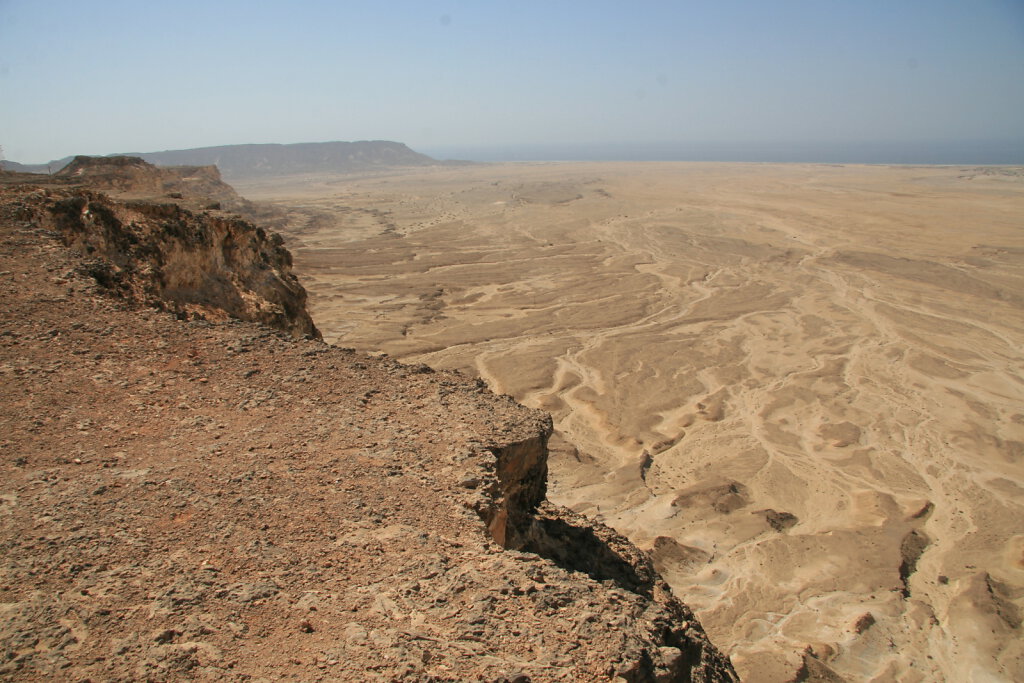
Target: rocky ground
{"points": [[182, 499]]}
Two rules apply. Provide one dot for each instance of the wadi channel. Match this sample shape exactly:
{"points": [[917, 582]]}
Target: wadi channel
{"points": [[799, 387]]}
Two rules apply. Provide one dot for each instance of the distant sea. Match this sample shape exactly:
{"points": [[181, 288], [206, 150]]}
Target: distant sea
{"points": [[981, 152]]}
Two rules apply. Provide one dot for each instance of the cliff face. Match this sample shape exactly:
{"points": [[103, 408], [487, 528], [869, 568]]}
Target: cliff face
{"points": [[239, 504], [213, 266], [516, 484], [247, 161]]}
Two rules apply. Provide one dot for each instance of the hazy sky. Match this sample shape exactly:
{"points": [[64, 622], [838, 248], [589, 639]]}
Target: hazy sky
{"points": [[105, 76]]}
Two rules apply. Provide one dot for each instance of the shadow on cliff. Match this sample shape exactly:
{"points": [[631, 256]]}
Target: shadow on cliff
{"points": [[519, 516], [579, 544]]}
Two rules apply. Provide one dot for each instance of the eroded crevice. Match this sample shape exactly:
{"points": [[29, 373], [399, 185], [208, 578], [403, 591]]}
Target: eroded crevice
{"points": [[911, 549]]}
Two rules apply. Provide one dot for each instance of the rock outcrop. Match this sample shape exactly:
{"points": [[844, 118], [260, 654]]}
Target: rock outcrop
{"points": [[208, 265], [135, 176], [183, 499]]}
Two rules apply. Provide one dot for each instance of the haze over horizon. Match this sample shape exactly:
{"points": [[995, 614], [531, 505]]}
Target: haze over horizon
{"points": [[935, 82]]}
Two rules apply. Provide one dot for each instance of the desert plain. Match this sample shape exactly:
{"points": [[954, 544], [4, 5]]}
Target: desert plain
{"points": [[799, 386]]}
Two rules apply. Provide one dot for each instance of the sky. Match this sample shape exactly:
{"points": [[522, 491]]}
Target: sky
{"points": [[108, 76]]}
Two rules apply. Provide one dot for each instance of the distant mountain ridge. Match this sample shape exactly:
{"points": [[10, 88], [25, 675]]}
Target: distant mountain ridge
{"points": [[246, 161], [240, 161], [49, 167]]}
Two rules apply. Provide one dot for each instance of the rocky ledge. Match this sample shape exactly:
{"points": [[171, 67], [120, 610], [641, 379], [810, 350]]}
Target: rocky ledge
{"points": [[209, 265], [188, 499]]}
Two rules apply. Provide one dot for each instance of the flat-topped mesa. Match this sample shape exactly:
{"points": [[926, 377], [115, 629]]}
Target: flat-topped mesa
{"points": [[250, 161], [133, 176], [119, 173]]}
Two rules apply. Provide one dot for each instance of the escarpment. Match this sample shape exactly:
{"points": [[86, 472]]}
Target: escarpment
{"points": [[213, 266], [135, 177], [200, 496]]}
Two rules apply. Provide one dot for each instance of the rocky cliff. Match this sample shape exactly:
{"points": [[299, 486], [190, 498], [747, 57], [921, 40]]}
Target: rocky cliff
{"points": [[183, 499], [132, 175], [204, 264]]}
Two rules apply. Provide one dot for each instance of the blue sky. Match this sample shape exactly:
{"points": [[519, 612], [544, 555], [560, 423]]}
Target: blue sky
{"points": [[109, 76]]}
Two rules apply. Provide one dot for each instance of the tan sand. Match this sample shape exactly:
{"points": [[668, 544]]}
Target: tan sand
{"points": [[800, 386]]}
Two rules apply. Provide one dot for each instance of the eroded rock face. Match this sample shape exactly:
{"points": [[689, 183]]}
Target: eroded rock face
{"points": [[209, 265], [512, 503], [519, 485]]}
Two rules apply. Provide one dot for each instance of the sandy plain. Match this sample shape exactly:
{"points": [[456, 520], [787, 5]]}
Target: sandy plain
{"points": [[800, 386]]}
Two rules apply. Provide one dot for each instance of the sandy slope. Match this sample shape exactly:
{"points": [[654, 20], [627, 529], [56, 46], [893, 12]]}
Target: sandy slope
{"points": [[799, 385]]}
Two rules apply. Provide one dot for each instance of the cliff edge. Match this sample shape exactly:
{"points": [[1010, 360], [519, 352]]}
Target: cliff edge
{"points": [[199, 496], [150, 247]]}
